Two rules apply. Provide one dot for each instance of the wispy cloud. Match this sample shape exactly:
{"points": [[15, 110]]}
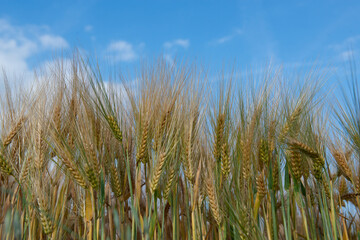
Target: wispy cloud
{"points": [[171, 48], [347, 48], [348, 42], [122, 51], [88, 28], [183, 43], [226, 38], [19, 43], [346, 55], [53, 42]]}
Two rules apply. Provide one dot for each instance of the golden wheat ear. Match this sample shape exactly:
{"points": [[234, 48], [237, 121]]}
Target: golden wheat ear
{"points": [[14, 130], [213, 200]]}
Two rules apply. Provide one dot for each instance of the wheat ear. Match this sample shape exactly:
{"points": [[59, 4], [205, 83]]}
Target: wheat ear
{"points": [[154, 181], [213, 201], [13, 132]]}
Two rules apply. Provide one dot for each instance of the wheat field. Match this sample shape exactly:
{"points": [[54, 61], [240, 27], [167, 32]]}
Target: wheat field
{"points": [[167, 156]]}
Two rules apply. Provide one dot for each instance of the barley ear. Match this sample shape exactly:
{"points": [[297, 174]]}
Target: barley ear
{"points": [[342, 163], [213, 201], [114, 126], [225, 160], [45, 215], [115, 181], [154, 180], [7, 140]]}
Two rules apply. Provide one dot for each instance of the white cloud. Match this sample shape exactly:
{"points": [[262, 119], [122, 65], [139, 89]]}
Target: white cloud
{"points": [[348, 42], [15, 48], [53, 42], [122, 51], [20, 44], [88, 28], [171, 48], [346, 49], [184, 43], [226, 38], [347, 55]]}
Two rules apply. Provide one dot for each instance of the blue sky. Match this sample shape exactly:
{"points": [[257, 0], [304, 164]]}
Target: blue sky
{"points": [[292, 33]]}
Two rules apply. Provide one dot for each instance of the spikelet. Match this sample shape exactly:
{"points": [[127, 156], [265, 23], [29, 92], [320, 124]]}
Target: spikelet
{"points": [[187, 159], [326, 187], [197, 188], [318, 160], [154, 181], [24, 170], [213, 201], [142, 154], [343, 189], [92, 176], [57, 117], [14, 151], [302, 147], [219, 134], [271, 137], [40, 148], [318, 164], [289, 123], [7, 140], [163, 124], [357, 185], [225, 160], [73, 107], [264, 152], [74, 172], [93, 157], [342, 163], [114, 127], [275, 175], [305, 169], [115, 182], [311, 194], [348, 153], [322, 180], [246, 159], [261, 192], [350, 196], [260, 185], [295, 163], [44, 216], [169, 182], [5, 166], [71, 140]]}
